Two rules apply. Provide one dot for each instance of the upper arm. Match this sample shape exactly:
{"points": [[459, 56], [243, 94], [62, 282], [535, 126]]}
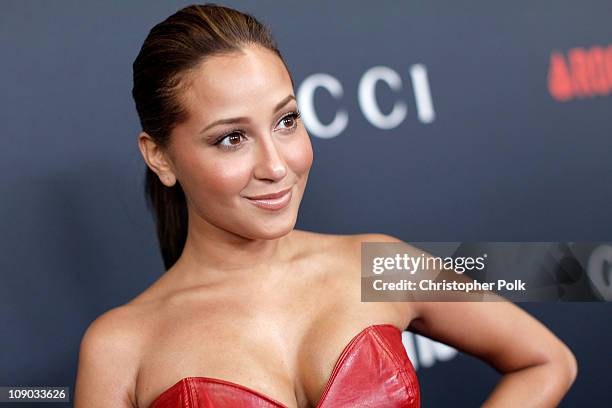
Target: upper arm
{"points": [[499, 332], [107, 363]]}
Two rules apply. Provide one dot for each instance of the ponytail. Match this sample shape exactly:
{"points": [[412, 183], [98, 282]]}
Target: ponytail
{"points": [[170, 212]]}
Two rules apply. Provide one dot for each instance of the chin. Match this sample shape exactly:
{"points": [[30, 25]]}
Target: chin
{"points": [[274, 230]]}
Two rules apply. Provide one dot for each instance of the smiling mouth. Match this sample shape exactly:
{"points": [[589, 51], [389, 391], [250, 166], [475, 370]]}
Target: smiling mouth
{"points": [[274, 201], [270, 196]]}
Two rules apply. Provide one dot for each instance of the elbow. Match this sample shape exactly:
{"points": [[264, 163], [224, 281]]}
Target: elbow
{"points": [[572, 364], [565, 366]]}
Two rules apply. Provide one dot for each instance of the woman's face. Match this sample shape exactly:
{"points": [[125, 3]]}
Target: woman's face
{"points": [[266, 151]]}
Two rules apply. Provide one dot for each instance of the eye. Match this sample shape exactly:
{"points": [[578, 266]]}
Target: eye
{"points": [[233, 140], [290, 120]]}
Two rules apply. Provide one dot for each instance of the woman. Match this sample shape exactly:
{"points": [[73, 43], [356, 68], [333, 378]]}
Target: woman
{"points": [[252, 312]]}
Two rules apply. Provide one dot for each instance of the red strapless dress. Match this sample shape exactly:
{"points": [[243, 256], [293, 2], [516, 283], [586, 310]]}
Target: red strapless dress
{"points": [[373, 370]]}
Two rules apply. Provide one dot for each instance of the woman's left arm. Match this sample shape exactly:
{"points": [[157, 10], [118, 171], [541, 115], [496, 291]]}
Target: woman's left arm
{"points": [[537, 367]]}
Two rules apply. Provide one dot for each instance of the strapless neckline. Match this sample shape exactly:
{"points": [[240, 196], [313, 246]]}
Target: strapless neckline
{"points": [[328, 384]]}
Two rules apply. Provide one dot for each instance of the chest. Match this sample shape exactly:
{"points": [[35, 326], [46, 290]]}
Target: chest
{"points": [[292, 361], [373, 370], [284, 345]]}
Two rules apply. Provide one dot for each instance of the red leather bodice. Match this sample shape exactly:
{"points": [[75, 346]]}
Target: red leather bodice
{"points": [[372, 371]]}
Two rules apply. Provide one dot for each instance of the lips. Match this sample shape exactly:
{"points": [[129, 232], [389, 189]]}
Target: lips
{"points": [[275, 201], [270, 196]]}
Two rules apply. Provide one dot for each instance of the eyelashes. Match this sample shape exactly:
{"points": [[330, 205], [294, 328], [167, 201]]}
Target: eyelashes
{"points": [[237, 134]]}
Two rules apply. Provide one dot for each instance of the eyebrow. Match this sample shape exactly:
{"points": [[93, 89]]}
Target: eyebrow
{"points": [[244, 118]]}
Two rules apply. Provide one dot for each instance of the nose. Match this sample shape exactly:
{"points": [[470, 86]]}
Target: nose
{"points": [[270, 163]]}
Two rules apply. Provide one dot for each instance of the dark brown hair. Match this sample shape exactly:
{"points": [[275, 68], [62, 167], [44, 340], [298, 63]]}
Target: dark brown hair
{"points": [[174, 48]]}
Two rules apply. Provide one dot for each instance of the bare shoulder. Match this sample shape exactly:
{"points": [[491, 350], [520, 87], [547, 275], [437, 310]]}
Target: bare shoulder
{"points": [[353, 243], [311, 240], [342, 242], [348, 249], [377, 237], [344, 248], [109, 358], [122, 324]]}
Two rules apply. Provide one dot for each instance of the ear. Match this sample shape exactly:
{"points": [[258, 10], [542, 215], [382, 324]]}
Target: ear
{"points": [[157, 159]]}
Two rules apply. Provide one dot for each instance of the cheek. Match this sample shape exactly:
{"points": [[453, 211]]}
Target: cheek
{"points": [[299, 155], [208, 176], [225, 176]]}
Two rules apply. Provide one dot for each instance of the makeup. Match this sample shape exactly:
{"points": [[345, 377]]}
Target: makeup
{"points": [[274, 202]]}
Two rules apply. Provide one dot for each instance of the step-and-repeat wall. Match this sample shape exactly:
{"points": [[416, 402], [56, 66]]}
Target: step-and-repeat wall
{"points": [[430, 121]]}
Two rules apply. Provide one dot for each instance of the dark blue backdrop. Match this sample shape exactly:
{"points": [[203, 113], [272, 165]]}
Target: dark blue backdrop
{"points": [[505, 136]]}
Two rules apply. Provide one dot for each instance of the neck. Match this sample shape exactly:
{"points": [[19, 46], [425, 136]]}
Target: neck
{"points": [[213, 255]]}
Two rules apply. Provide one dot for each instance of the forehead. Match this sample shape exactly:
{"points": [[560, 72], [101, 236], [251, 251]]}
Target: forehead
{"points": [[226, 84]]}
